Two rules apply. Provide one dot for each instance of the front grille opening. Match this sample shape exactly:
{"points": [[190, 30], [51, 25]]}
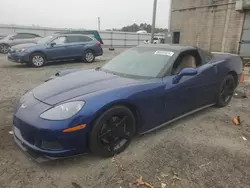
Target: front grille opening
{"points": [[54, 145]]}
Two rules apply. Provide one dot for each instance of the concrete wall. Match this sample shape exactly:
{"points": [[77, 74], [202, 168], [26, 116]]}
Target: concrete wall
{"points": [[110, 38], [213, 25]]}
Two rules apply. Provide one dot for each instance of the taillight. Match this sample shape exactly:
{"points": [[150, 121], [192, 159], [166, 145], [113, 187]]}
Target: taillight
{"points": [[98, 43]]}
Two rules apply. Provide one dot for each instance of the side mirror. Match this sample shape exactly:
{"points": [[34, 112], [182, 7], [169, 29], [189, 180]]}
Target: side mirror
{"points": [[52, 44], [184, 72]]}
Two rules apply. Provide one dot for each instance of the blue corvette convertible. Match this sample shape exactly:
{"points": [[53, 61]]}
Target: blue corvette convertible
{"points": [[138, 91], [57, 48]]}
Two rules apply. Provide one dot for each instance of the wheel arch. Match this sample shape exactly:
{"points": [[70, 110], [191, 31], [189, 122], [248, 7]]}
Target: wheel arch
{"points": [[133, 108], [235, 76], [38, 51], [89, 49]]}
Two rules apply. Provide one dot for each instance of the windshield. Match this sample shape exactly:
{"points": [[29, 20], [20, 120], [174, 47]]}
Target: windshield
{"points": [[45, 40], [139, 62]]}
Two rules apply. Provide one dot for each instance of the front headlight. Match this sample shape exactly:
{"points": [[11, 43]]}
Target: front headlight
{"points": [[22, 50], [63, 111]]}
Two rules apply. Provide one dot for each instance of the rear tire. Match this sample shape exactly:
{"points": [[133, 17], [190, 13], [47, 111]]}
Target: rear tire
{"points": [[112, 132], [89, 56], [37, 60], [226, 91], [4, 48]]}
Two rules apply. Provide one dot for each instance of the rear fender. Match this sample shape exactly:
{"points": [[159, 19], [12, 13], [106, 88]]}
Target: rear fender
{"points": [[229, 63]]}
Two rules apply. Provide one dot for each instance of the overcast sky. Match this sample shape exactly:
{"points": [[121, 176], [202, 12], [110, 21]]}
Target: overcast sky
{"points": [[82, 13]]}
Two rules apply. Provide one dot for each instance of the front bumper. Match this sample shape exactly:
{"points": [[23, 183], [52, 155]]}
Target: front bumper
{"points": [[18, 57], [45, 137], [48, 143], [36, 156]]}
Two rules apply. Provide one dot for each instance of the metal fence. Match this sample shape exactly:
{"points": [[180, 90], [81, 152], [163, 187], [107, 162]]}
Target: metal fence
{"points": [[110, 38]]}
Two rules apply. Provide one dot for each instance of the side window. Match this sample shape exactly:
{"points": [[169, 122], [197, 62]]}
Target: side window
{"points": [[60, 40], [28, 36], [31, 36], [75, 39], [18, 36], [24, 36], [85, 39], [190, 59], [72, 39], [207, 57]]}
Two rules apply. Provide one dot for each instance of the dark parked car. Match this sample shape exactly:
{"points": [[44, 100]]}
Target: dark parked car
{"points": [[56, 48], [17, 38], [140, 90]]}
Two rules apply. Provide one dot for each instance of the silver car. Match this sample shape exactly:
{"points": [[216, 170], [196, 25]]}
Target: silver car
{"points": [[17, 38]]}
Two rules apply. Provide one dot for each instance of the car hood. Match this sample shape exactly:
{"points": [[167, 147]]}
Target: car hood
{"points": [[77, 84], [26, 45]]}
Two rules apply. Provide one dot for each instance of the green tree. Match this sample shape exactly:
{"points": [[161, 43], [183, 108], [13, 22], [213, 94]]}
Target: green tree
{"points": [[143, 26]]}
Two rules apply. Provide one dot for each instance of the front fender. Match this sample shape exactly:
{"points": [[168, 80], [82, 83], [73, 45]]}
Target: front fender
{"points": [[143, 99]]}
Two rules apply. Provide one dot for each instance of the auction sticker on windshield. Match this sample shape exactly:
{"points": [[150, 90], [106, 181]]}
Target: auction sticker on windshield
{"points": [[168, 53]]}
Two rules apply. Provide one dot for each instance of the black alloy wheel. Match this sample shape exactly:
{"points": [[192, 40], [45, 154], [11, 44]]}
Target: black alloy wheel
{"points": [[112, 131], [226, 91]]}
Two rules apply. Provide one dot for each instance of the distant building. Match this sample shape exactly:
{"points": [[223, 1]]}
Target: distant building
{"points": [[214, 25]]}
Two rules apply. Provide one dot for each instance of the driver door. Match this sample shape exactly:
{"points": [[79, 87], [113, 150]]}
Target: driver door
{"points": [[191, 91], [57, 49]]}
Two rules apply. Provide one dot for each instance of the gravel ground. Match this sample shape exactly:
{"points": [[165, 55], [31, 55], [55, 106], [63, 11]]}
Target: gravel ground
{"points": [[202, 150]]}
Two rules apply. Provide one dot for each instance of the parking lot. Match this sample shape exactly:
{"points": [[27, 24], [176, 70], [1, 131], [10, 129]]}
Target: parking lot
{"points": [[203, 150]]}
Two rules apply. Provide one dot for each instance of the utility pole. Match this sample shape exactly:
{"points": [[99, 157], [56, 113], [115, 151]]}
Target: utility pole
{"points": [[99, 23], [153, 21], [170, 15]]}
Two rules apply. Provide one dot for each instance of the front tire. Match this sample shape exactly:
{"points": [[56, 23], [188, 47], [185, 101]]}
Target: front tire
{"points": [[89, 56], [37, 60], [226, 91], [112, 132], [4, 48]]}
